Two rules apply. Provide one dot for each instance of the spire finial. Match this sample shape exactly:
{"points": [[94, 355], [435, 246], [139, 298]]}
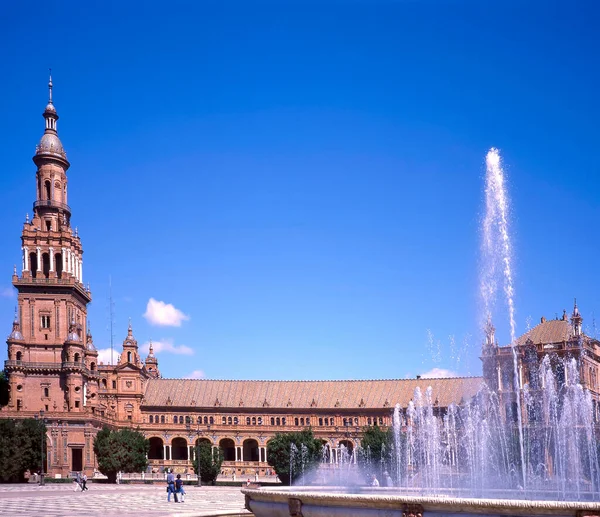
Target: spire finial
{"points": [[50, 87]]}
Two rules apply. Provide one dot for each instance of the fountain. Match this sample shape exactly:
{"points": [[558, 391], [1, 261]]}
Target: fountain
{"points": [[528, 450]]}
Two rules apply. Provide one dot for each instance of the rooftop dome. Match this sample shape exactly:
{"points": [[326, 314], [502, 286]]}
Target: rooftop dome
{"points": [[50, 144]]}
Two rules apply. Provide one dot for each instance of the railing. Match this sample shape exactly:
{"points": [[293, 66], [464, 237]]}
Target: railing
{"points": [[50, 366], [51, 203], [28, 365], [70, 281]]}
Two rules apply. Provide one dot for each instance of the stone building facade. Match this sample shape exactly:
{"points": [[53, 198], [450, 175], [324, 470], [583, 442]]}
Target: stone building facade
{"points": [[54, 372]]}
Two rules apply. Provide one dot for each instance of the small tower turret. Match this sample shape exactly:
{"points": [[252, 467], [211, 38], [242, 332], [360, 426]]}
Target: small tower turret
{"points": [[576, 320], [490, 333], [152, 363], [130, 349]]}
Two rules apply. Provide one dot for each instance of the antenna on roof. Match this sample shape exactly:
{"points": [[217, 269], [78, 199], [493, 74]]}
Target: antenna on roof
{"points": [[111, 317]]}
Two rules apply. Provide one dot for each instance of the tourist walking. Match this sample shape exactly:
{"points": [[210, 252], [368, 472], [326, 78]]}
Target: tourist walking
{"points": [[170, 486], [84, 482], [179, 491]]}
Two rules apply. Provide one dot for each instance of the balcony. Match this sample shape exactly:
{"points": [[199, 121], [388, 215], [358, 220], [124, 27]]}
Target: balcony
{"points": [[68, 281], [52, 204], [31, 366]]}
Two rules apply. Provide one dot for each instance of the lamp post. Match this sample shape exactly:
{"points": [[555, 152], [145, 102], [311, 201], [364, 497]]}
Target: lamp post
{"points": [[42, 422], [198, 430]]}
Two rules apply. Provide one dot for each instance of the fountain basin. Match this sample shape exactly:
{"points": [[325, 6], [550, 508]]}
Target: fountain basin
{"points": [[382, 502]]}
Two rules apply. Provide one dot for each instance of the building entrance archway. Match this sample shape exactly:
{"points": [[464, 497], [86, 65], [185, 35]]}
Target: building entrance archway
{"points": [[250, 451], [157, 449], [179, 449], [228, 448]]}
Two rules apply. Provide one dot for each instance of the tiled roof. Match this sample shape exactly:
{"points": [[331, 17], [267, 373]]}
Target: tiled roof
{"points": [[551, 331], [366, 394]]}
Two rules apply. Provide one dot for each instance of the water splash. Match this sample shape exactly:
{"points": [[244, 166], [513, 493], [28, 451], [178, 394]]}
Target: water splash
{"points": [[497, 261]]}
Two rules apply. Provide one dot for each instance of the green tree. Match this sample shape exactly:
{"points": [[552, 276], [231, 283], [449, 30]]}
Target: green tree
{"points": [[3, 389], [375, 451], [20, 448], [306, 456], [120, 451], [210, 461]]}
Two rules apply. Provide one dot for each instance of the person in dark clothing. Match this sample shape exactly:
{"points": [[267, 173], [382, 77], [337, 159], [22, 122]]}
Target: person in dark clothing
{"points": [[179, 491]]}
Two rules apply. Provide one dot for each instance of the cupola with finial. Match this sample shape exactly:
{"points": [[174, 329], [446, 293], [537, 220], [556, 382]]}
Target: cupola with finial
{"points": [[489, 330], [130, 348], [50, 145], [576, 320], [16, 335], [151, 362]]}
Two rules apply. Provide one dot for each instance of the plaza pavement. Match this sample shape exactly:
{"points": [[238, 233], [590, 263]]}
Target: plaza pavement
{"points": [[59, 500]]}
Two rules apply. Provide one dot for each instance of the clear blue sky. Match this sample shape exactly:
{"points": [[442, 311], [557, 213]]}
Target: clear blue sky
{"points": [[303, 180]]}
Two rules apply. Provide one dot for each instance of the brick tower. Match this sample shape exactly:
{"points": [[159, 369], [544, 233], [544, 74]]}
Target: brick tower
{"points": [[52, 362]]}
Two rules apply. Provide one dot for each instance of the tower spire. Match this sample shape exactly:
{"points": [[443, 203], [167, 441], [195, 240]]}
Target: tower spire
{"points": [[50, 87]]}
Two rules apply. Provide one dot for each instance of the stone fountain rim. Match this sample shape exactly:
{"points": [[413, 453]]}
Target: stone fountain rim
{"points": [[429, 503]]}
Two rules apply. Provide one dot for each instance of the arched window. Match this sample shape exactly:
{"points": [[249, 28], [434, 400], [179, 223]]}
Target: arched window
{"points": [[156, 419], [253, 420], [247, 420], [33, 264], [211, 420], [235, 420], [175, 419], [187, 420], [76, 358], [46, 392], [321, 421], [46, 265], [206, 420], [260, 420], [47, 189], [355, 420], [19, 356], [296, 422], [151, 419], [162, 419], [199, 420], [224, 420], [272, 421], [380, 420], [104, 383], [128, 357], [278, 420], [181, 419], [59, 264], [283, 421], [302, 421], [229, 420], [93, 367]]}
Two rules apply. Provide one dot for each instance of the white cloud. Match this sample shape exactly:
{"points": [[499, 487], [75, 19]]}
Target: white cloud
{"points": [[166, 345], [196, 374], [104, 356], [7, 292], [438, 373], [164, 314]]}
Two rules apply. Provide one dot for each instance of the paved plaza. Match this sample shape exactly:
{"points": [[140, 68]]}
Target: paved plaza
{"points": [[118, 500]]}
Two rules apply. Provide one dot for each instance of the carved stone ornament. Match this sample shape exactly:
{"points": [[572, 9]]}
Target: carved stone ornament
{"points": [[129, 383], [295, 507], [412, 510]]}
